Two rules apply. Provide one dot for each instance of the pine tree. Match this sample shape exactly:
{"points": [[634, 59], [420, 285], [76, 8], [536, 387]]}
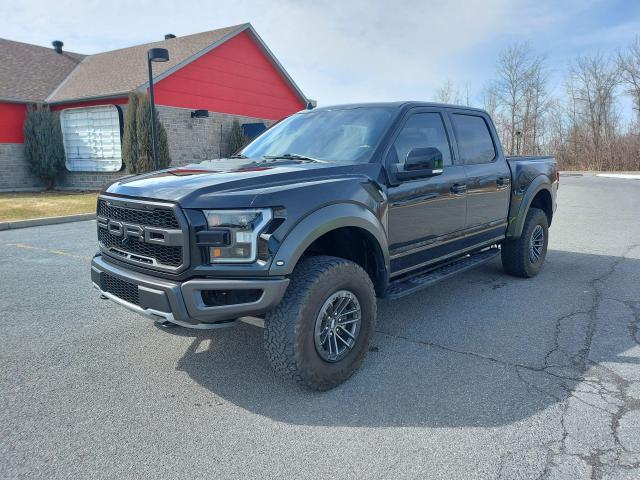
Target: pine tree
{"points": [[144, 139], [164, 157], [237, 138], [143, 136], [130, 138], [43, 145]]}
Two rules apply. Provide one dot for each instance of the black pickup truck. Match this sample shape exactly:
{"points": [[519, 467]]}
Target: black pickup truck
{"points": [[325, 211]]}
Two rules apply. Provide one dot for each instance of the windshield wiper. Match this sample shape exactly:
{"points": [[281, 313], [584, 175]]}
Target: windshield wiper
{"points": [[293, 156], [238, 156]]}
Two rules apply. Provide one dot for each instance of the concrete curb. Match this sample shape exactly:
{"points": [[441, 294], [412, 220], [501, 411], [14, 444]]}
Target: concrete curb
{"points": [[36, 222], [598, 172], [624, 176]]}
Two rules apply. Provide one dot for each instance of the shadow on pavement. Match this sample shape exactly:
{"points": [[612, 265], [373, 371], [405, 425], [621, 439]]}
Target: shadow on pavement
{"points": [[482, 349]]}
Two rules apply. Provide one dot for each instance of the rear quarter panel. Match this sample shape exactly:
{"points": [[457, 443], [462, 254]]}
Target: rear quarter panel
{"points": [[529, 175]]}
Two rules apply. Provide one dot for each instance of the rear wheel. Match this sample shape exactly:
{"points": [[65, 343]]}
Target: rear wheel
{"points": [[524, 257], [320, 332]]}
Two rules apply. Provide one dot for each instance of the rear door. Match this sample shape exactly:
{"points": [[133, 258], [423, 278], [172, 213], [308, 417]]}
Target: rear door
{"points": [[487, 172], [425, 214]]}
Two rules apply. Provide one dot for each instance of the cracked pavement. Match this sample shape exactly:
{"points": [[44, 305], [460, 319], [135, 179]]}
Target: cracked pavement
{"points": [[483, 376]]}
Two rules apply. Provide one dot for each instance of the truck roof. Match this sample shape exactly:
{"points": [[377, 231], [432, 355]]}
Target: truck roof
{"points": [[399, 105]]}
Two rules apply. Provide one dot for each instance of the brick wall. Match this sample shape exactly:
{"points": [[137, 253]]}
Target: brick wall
{"points": [[86, 180], [14, 172], [197, 139], [190, 140], [15, 175]]}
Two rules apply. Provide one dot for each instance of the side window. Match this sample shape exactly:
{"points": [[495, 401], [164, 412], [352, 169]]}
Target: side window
{"points": [[422, 130], [474, 140]]}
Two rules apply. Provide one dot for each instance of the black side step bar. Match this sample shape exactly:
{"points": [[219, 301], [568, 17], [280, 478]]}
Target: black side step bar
{"points": [[408, 285]]}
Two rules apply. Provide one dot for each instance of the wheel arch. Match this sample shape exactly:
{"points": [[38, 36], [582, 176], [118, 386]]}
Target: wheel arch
{"points": [[543, 201], [538, 195], [348, 231]]}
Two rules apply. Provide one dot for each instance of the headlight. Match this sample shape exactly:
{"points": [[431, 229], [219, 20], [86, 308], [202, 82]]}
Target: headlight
{"points": [[243, 226]]}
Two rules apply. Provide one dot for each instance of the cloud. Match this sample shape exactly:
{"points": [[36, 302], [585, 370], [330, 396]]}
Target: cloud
{"points": [[362, 52], [337, 51], [607, 37]]}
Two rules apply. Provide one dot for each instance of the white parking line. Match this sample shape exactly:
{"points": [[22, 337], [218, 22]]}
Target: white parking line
{"points": [[634, 176]]}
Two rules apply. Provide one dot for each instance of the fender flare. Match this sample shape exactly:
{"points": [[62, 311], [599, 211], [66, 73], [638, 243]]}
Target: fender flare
{"points": [[322, 221], [516, 222]]}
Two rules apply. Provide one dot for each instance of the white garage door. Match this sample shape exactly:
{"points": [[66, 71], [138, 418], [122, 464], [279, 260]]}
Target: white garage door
{"points": [[92, 139]]}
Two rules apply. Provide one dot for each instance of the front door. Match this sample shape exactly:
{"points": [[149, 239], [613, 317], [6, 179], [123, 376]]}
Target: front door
{"points": [[426, 214]]}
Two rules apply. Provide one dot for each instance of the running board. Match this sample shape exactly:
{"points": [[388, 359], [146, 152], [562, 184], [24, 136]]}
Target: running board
{"points": [[408, 285]]}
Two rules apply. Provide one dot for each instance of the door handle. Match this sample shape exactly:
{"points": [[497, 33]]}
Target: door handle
{"points": [[503, 181], [459, 188]]}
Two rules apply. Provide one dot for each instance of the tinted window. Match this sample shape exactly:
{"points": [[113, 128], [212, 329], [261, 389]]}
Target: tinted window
{"points": [[347, 135], [474, 139], [422, 130]]}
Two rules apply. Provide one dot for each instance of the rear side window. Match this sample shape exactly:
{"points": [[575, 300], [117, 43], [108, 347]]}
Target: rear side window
{"points": [[474, 140]]}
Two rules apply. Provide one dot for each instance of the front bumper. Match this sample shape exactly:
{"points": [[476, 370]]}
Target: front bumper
{"points": [[182, 302]]}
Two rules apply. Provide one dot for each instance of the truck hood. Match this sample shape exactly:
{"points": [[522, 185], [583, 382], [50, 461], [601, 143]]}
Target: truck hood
{"points": [[228, 183]]}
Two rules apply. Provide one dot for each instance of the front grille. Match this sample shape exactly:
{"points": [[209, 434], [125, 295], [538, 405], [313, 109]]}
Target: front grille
{"points": [[144, 236], [121, 289], [171, 256], [159, 218]]}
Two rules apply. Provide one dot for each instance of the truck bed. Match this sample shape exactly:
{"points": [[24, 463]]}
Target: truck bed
{"points": [[524, 169]]}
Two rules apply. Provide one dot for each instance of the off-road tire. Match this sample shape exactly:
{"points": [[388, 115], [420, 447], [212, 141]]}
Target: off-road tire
{"points": [[289, 328], [515, 253]]}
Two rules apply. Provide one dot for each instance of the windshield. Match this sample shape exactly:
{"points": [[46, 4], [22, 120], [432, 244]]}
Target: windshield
{"points": [[342, 135]]}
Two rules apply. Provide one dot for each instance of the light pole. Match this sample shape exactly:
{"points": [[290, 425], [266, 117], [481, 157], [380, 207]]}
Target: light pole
{"points": [[154, 55]]}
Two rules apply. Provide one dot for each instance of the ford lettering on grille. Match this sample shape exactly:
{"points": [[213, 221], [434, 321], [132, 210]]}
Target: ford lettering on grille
{"points": [[136, 241]]}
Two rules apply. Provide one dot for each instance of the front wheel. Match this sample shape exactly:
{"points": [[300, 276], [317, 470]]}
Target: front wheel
{"points": [[320, 332], [524, 257]]}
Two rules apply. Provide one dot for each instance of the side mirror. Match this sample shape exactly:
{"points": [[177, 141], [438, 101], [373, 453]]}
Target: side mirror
{"points": [[421, 163], [423, 159]]}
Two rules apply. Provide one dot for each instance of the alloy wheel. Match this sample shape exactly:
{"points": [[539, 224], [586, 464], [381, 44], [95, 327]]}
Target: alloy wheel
{"points": [[337, 326], [536, 244]]}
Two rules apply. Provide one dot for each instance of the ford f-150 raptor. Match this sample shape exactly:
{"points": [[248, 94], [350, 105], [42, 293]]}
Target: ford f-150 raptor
{"points": [[308, 224]]}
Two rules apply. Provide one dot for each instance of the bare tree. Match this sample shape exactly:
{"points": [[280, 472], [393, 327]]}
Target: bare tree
{"points": [[558, 131], [522, 97], [583, 128], [509, 88], [629, 65], [535, 107], [490, 100], [592, 87], [448, 93]]}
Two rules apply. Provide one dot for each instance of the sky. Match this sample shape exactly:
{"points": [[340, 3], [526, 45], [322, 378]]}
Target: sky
{"points": [[351, 50]]}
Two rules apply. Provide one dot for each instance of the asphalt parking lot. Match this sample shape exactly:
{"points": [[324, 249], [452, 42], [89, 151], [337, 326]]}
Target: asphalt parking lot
{"points": [[482, 376]]}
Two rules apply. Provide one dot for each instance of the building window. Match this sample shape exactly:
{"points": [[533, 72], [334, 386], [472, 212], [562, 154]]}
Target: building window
{"points": [[92, 138], [253, 130]]}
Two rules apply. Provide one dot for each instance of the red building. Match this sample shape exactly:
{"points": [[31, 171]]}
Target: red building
{"points": [[229, 72]]}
